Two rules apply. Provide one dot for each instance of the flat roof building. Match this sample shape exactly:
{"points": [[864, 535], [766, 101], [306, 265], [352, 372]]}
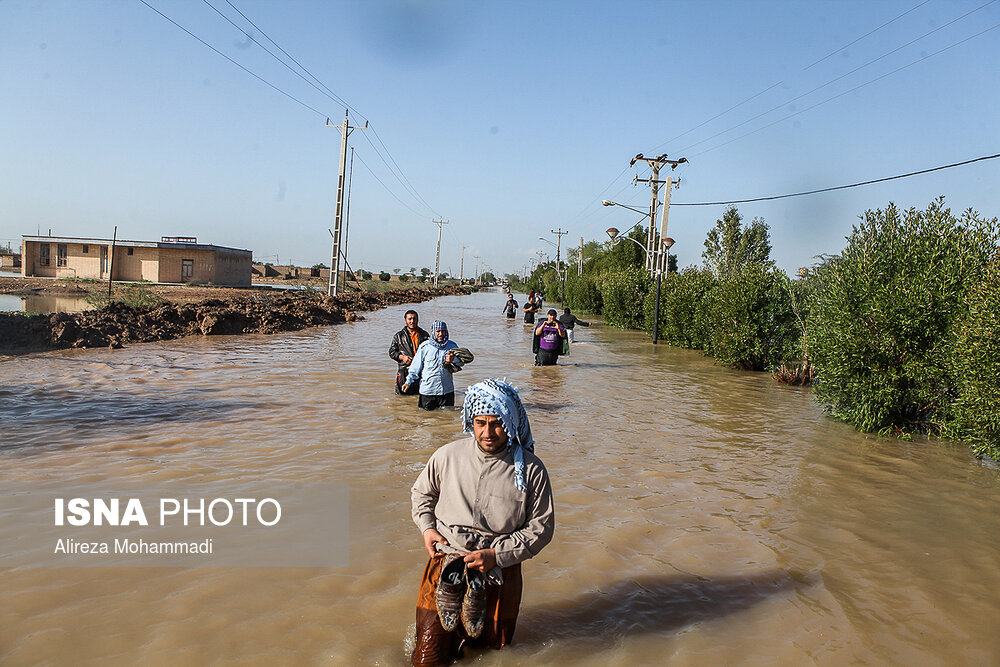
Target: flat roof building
{"points": [[170, 260]]}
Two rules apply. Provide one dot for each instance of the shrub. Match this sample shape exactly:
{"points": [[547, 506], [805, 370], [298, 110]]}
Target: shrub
{"points": [[754, 325], [404, 278], [684, 301], [583, 294], [383, 276], [623, 293], [977, 369], [882, 318], [420, 279], [134, 296]]}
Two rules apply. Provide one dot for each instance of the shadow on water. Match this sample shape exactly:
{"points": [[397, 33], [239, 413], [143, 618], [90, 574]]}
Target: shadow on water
{"points": [[650, 604]]}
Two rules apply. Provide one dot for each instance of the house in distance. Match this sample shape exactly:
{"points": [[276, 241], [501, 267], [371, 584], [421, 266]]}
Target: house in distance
{"points": [[172, 259]]}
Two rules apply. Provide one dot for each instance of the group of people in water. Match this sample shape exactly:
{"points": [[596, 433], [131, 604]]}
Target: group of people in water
{"points": [[426, 361], [483, 503]]}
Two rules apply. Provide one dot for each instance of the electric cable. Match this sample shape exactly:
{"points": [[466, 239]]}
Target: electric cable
{"points": [[872, 32], [259, 78], [846, 92], [834, 80], [838, 187]]}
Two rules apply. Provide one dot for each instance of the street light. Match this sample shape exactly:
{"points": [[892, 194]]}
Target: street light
{"points": [[657, 257], [614, 203]]}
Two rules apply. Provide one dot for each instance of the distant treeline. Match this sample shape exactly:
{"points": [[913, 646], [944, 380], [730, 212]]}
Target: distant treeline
{"points": [[901, 329]]}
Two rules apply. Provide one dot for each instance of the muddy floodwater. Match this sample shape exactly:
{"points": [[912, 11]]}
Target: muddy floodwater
{"points": [[704, 516]]}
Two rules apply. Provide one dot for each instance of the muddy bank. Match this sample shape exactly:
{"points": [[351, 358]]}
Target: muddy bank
{"points": [[117, 325]]}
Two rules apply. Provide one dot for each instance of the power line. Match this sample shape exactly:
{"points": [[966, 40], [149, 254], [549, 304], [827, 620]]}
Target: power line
{"points": [[838, 78], [259, 78], [840, 187], [846, 92], [872, 32], [360, 159], [332, 94], [407, 186]]}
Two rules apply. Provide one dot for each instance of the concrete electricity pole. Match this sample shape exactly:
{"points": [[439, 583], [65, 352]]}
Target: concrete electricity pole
{"points": [[437, 256], [345, 131], [461, 268], [579, 260], [476, 279]]}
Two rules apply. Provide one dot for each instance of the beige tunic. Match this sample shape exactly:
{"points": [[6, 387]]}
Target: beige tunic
{"points": [[471, 499]]}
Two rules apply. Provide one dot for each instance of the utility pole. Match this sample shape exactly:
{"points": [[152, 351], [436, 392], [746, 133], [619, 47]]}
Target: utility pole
{"points": [[437, 256], [562, 279], [663, 245], [476, 279], [461, 268], [345, 131], [579, 260], [655, 163]]}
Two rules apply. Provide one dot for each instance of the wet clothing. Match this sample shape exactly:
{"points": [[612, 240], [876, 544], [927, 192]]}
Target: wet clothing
{"points": [[436, 646], [475, 500], [406, 342], [529, 312], [471, 498], [569, 320], [548, 344], [425, 402], [427, 366], [510, 310]]}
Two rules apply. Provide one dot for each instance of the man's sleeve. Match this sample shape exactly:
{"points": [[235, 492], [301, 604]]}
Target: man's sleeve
{"points": [[394, 349], [537, 530], [416, 366], [424, 496]]}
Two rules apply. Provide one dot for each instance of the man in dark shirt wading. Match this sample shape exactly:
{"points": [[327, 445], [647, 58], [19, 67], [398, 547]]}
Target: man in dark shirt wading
{"points": [[403, 348]]}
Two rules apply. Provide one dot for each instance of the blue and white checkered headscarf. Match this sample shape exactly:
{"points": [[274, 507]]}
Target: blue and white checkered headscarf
{"points": [[438, 326], [499, 397]]}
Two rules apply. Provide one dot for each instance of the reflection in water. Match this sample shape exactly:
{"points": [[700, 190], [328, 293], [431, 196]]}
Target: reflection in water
{"points": [[43, 303], [704, 515]]}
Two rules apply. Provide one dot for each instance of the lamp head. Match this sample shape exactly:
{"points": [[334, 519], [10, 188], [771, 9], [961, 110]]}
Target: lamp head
{"points": [[668, 243], [612, 232], [608, 203]]}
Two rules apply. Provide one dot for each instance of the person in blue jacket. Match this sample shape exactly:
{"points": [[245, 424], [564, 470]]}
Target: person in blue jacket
{"points": [[432, 365]]}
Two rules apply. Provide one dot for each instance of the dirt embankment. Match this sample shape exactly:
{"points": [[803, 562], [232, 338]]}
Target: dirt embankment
{"points": [[117, 325]]}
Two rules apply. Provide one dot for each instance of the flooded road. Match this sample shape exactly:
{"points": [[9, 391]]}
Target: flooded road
{"points": [[704, 516]]}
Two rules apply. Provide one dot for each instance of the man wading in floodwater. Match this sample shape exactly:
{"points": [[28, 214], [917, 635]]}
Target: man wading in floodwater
{"points": [[483, 505], [404, 347], [433, 366]]}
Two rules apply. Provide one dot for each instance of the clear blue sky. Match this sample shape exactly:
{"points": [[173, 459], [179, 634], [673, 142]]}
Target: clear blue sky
{"points": [[509, 119]]}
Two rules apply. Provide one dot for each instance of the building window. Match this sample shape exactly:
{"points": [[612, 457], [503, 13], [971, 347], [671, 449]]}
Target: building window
{"points": [[61, 254], [129, 251], [43, 254], [86, 249]]}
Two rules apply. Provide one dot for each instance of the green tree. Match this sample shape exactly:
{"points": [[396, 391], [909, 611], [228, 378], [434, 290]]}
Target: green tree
{"points": [[425, 272], [729, 246], [977, 368], [883, 314]]}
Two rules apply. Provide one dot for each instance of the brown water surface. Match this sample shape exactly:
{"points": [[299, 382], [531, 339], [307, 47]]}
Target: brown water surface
{"points": [[704, 516]]}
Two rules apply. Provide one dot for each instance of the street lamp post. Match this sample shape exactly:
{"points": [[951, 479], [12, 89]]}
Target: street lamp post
{"points": [[657, 256]]}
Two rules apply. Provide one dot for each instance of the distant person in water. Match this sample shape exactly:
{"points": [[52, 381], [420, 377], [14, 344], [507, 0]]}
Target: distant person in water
{"points": [[548, 342], [569, 321], [510, 310], [530, 308], [432, 368], [404, 348]]}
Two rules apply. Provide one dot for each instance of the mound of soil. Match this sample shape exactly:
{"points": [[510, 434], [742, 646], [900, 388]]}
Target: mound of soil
{"points": [[117, 324]]}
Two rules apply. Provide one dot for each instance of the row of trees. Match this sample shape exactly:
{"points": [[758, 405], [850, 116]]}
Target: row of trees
{"points": [[902, 328]]}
